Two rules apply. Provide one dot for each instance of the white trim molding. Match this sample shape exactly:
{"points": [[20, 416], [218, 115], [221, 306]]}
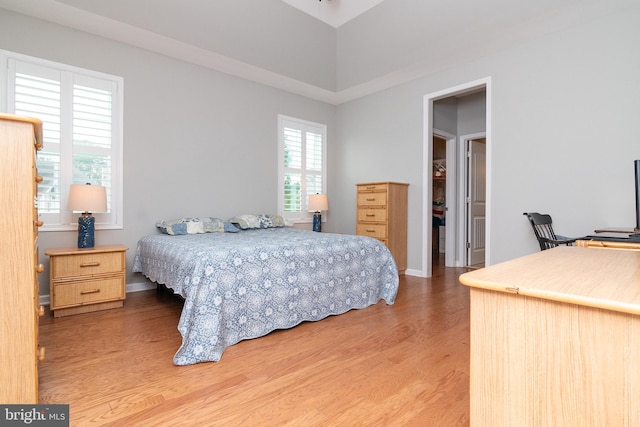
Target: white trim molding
{"points": [[79, 19]]}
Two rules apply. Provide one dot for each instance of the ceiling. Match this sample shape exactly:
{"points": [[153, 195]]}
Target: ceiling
{"points": [[333, 51], [333, 12]]}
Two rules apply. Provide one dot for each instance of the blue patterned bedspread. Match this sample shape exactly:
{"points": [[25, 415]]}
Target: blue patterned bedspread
{"points": [[244, 285]]}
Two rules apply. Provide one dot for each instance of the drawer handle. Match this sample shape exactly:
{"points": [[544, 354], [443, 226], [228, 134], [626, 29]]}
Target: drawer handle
{"points": [[370, 215], [371, 187], [370, 199], [90, 291], [41, 354], [90, 264], [368, 230]]}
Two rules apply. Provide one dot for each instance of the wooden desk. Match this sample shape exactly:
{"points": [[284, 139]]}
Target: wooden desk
{"points": [[555, 339], [608, 244], [619, 230], [612, 237]]}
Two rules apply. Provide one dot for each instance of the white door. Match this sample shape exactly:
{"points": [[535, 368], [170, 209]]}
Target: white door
{"points": [[476, 201]]}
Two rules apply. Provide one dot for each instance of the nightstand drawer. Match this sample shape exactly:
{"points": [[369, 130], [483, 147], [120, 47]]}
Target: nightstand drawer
{"points": [[371, 215], [372, 199], [86, 264], [372, 230], [89, 292]]}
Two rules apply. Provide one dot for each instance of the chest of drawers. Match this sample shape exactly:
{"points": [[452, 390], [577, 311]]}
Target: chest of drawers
{"points": [[85, 280], [20, 139], [381, 213]]}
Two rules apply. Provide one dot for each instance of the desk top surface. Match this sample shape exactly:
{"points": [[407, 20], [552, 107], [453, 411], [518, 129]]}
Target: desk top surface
{"points": [[594, 277]]}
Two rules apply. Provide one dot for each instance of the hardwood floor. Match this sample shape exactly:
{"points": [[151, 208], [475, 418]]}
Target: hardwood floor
{"points": [[401, 364]]}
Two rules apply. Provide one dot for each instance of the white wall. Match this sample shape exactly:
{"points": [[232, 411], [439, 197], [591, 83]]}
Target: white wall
{"points": [[564, 140], [196, 142], [445, 115], [472, 114], [269, 33], [402, 36]]}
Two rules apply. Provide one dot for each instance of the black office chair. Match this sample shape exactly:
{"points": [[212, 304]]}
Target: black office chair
{"points": [[542, 227]]}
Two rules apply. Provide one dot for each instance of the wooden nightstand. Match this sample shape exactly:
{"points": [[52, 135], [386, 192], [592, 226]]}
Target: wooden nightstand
{"points": [[85, 280]]}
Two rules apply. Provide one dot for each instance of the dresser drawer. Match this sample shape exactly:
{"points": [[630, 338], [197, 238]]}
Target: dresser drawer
{"points": [[372, 230], [89, 292], [86, 264], [372, 199], [371, 215], [373, 187]]}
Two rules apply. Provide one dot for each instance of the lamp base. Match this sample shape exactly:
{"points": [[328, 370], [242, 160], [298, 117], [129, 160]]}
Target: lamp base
{"points": [[317, 222], [86, 231]]}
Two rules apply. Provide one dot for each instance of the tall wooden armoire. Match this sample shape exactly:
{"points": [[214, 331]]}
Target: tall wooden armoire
{"points": [[20, 138]]}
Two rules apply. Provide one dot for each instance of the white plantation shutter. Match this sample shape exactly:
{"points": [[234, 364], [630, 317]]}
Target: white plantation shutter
{"points": [[314, 170], [292, 170], [302, 165], [37, 94], [82, 115], [92, 134]]}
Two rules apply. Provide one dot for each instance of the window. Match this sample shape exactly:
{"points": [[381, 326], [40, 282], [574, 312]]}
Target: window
{"points": [[301, 167], [81, 112]]}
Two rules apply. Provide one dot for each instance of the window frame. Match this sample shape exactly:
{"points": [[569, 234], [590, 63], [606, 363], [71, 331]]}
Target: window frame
{"points": [[66, 220], [304, 216]]}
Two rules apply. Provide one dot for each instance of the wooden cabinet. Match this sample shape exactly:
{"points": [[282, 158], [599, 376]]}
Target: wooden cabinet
{"points": [[381, 212], [20, 138], [85, 280], [555, 339]]}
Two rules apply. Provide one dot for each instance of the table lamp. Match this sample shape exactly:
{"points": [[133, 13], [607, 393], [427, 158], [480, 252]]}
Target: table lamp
{"points": [[86, 199], [318, 203]]}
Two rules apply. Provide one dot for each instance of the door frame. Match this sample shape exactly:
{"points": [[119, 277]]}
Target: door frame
{"points": [[427, 162]]}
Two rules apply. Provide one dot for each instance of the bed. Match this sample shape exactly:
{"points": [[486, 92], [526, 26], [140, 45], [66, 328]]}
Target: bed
{"points": [[243, 285]]}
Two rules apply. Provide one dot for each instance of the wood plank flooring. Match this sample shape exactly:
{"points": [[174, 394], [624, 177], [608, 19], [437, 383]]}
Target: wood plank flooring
{"points": [[387, 365]]}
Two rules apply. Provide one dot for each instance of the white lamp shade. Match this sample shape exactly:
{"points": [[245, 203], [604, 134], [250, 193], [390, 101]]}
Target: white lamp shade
{"points": [[87, 198], [318, 202]]}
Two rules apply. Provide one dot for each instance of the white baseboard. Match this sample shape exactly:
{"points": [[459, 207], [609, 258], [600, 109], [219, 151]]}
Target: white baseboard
{"points": [[140, 286], [412, 272]]}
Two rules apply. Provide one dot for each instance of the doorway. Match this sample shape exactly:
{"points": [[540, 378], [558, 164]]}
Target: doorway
{"points": [[457, 216]]}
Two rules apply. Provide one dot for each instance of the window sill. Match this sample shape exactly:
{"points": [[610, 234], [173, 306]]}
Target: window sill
{"points": [[74, 227]]}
